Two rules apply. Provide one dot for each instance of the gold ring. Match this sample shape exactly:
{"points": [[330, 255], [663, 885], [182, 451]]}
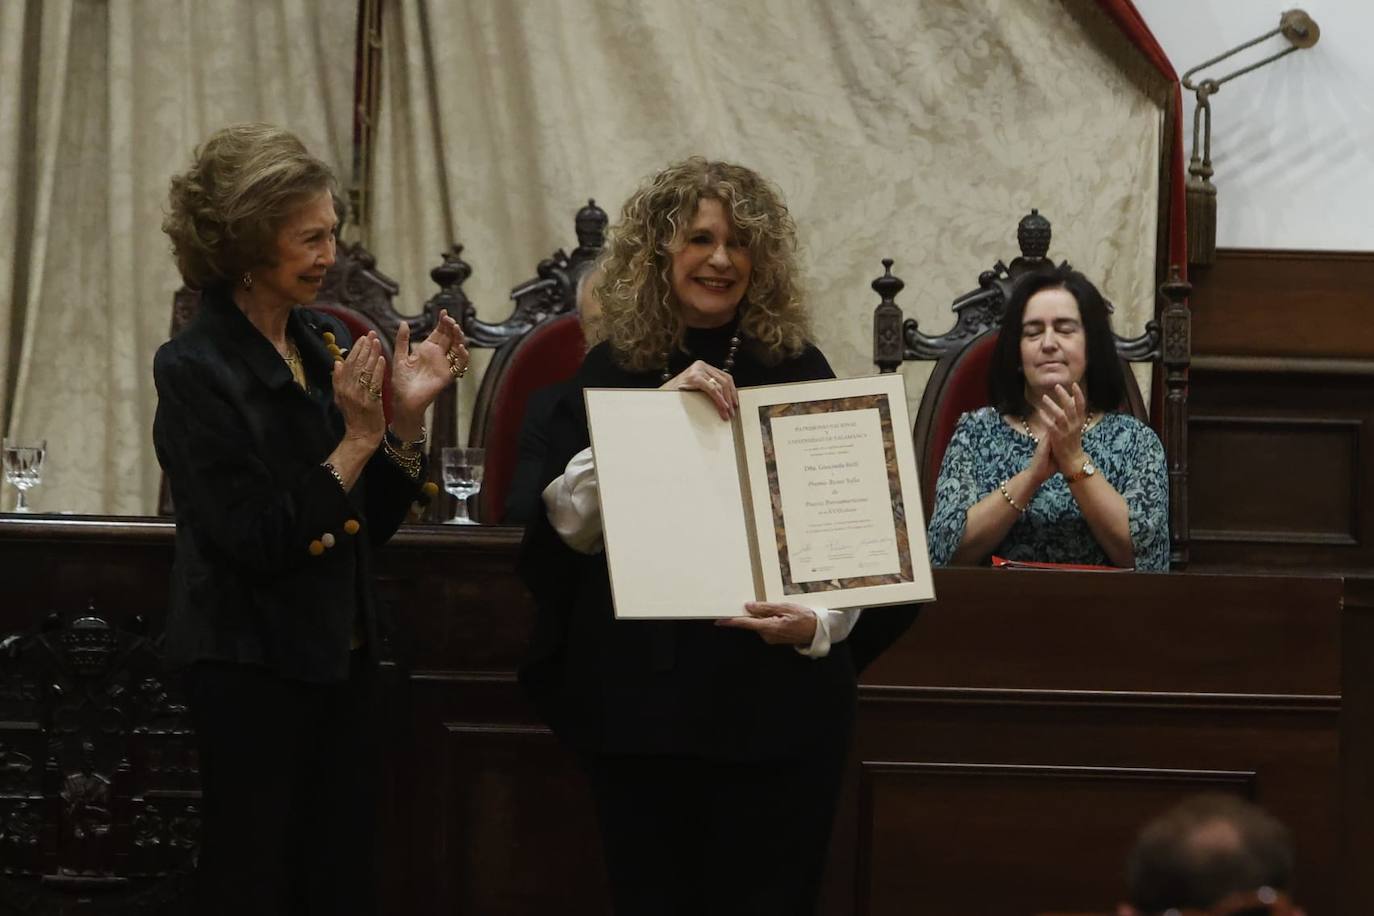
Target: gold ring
{"points": [[375, 392], [365, 378]]}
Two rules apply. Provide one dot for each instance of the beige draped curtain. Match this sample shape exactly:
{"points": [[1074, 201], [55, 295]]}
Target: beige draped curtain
{"points": [[917, 131], [100, 102]]}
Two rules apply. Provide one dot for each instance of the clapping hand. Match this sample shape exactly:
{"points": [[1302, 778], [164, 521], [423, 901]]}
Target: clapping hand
{"points": [[422, 371], [358, 390], [1064, 415]]}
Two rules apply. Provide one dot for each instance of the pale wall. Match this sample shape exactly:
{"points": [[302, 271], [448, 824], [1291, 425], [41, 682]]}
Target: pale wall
{"points": [[1292, 142]]}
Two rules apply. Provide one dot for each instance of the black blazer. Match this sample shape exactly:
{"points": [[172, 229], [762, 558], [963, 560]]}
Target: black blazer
{"points": [[241, 444]]}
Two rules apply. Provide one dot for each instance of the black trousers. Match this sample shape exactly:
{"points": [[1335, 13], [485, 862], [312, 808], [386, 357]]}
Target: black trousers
{"points": [[290, 774], [689, 836]]}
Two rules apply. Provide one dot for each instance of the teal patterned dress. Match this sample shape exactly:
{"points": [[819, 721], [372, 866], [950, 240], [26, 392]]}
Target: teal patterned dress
{"points": [[985, 451]]}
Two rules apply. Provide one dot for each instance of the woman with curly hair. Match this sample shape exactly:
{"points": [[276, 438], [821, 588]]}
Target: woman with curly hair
{"points": [[285, 477], [715, 752]]}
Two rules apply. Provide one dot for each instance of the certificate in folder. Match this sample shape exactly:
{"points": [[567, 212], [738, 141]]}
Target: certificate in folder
{"points": [[808, 495]]}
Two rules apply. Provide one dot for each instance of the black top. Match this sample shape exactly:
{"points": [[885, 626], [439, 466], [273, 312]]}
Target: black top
{"points": [[676, 687], [241, 444]]}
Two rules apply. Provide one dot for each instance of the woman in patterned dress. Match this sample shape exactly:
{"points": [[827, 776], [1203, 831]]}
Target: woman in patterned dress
{"points": [[1053, 471]]}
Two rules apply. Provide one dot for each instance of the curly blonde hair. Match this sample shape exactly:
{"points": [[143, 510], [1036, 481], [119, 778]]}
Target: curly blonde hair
{"points": [[224, 212], [640, 314]]}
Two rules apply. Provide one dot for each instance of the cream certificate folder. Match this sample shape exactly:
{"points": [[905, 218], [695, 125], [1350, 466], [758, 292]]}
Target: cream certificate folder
{"points": [[809, 495]]}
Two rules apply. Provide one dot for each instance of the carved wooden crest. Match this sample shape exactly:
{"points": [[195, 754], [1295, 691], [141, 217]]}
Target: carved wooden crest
{"points": [[99, 777]]}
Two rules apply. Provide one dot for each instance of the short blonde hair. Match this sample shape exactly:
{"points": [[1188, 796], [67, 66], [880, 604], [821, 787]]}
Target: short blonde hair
{"points": [[640, 314], [224, 212]]}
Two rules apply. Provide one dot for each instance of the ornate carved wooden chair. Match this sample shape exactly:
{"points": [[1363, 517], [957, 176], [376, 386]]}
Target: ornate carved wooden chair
{"points": [[361, 297], [958, 382], [539, 344]]}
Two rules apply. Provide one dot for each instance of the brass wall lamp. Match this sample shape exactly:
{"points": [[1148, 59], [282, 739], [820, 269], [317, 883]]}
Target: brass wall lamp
{"points": [[1302, 32]]}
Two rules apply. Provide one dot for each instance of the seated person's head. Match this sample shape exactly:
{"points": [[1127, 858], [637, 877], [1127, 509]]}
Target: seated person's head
{"points": [[699, 245], [1207, 850], [1055, 331], [588, 306]]}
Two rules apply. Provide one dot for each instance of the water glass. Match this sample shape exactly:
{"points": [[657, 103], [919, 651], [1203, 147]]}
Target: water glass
{"points": [[24, 466], [462, 471]]}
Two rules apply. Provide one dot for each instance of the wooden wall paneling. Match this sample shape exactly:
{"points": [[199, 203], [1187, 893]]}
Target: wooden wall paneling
{"points": [[1282, 411], [1290, 743], [1357, 740], [1256, 302], [1009, 674], [1283, 476], [936, 828], [1244, 499], [519, 827]]}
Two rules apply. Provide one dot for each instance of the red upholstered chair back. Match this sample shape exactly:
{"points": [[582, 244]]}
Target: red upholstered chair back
{"points": [[550, 353], [358, 325], [955, 388]]}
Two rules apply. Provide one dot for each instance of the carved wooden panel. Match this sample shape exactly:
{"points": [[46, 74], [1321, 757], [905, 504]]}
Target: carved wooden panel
{"points": [[99, 777]]}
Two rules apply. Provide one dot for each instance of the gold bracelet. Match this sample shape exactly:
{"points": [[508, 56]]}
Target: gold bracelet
{"points": [[334, 472], [1007, 496], [412, 445], [409, 462]]}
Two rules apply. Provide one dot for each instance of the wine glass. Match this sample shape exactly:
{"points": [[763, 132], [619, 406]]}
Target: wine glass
{"points": [[462, 470], [24, 466]]}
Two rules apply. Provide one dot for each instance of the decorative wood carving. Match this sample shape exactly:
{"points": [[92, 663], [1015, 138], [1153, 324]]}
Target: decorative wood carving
{"points": [[551, 292], [981, 309], [99, 777], [1177, 352]]}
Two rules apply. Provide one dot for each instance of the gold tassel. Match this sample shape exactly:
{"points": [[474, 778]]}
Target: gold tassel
{"points": [[1201, 197]]}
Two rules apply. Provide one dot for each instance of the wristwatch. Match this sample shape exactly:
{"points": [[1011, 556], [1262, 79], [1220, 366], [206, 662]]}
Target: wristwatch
{"points": [[1088, 470]]}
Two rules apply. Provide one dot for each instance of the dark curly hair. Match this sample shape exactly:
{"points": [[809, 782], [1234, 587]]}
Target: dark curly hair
{"points": [[1103, 379], [224, 212]]}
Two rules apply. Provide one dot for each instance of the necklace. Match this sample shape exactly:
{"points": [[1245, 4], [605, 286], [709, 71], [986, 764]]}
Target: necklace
{"points": [[292, 358], [729, 358], [1025, 424]]}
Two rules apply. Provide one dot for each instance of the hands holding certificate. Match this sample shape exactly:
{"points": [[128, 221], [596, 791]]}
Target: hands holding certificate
{"points": [[716, 384], [778, 624]]}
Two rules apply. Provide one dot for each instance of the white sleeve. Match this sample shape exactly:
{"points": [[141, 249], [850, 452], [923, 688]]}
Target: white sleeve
{"points": [[574, 506], [831, 627]]}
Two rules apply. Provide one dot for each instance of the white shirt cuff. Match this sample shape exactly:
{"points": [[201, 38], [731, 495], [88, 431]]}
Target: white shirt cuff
{"points": [[574, 505], [831, 627]]}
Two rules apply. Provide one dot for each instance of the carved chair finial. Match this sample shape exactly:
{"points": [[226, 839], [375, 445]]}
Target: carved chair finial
{"points": [[452, 270], [888, 286], [1033, 235], [590, 224]]}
